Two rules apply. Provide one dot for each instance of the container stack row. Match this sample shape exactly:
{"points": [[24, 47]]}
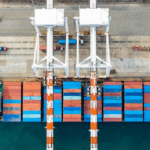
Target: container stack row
{"points": [[87, 105], [71, 101], [112, 101], [1, 95], [12, 102], [57, 103], [133, 102], [31, 101], [147, 101]]}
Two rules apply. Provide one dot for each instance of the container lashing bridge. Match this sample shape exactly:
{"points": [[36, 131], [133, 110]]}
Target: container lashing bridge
{"points": [[93, 17], [49, 18]]}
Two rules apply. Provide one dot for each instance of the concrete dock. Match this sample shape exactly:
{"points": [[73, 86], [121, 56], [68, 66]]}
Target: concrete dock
{"points": [[129, 27]]}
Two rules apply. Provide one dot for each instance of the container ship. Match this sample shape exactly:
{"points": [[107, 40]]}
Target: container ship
{"points": [[116, 101]]}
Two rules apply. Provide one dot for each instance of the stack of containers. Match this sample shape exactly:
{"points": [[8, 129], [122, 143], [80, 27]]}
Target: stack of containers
{"points": [[71, 101], [57, 103], [1, 95], [147, 101], [12, 102], [31, 101], [112, 101], [133, 98], [87, 106]]}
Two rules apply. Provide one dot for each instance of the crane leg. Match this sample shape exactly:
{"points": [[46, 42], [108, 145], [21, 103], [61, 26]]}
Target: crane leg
{"points": [[93, 110], [50, 138]]}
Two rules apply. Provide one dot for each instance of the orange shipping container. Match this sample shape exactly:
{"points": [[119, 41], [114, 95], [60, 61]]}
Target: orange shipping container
{"points": [[133, 105], [36, 87], [31, 107], [72, 90], [12, 105], [12, 87], [71, 116], [12, 83], [146, 83], [32, 94], [31, 83], [12, 112], [12, 97]]}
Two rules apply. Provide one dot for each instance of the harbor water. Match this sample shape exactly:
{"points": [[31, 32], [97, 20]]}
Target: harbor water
{"points": [[75, 136]]}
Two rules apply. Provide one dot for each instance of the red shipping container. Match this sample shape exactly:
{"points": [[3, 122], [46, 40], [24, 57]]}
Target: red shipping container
{"points": [[87, 102], [133, 83], [133, 108], [112, 94], [112, 119], [112, 108], [12, 91], [112, 83], [71, 105], [87, 109], [146, 94], [86, 112], [99, 103], [57, 96], [72, 90], [72, 101], [146, 100], [133, 86], [99, 111], [146, 108], [30, 91], [71, 120]]}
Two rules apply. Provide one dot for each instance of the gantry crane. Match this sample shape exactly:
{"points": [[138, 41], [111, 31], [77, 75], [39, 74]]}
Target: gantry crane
{"points": [[49, 18], [93, 17]]}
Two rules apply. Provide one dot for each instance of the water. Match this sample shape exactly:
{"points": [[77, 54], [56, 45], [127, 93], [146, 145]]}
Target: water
{"points": [[75, 136]]}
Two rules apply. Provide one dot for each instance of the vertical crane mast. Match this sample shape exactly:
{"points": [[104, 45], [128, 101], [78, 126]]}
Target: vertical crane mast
{"points": [[93, 18], [93, 85], [50, 125], [49, 18]]}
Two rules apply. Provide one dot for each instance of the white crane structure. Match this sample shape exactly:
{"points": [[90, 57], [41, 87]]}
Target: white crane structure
{"points": [[93, 17], [49, 18]]}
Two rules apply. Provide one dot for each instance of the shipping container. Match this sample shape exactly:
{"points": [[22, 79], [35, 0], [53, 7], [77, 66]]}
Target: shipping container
{"points": [[146, 101], [87, 105], [112, 102], [70, 41], [133, 102], [31, 102], [1, 95], [57, 104], [72, 101], [11, 101]]}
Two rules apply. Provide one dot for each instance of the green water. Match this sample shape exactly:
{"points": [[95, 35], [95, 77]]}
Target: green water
{"points": [[75, 136]]}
